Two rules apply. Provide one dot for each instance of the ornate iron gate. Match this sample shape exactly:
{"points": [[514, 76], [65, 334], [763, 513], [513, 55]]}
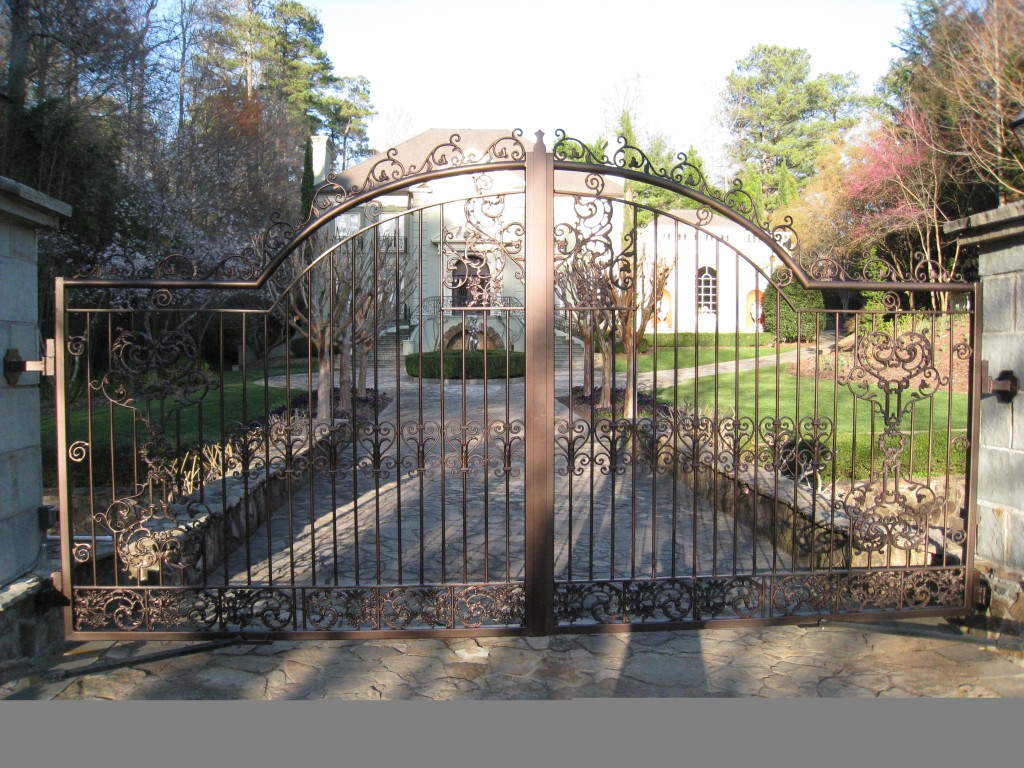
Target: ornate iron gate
{"points": [[517, 400]]}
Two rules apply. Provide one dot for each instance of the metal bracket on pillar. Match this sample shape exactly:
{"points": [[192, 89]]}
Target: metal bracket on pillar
{"points": [[1004, 386], [14, 366]]}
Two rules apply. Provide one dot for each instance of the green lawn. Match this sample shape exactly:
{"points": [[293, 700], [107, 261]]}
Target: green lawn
{"points": [[669, 358], [855, 423], [222, 409]]}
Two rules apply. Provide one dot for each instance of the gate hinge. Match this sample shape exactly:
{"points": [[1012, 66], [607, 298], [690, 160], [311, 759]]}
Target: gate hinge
{"points": [[982, 597], [14, 366], [1004, 386]]}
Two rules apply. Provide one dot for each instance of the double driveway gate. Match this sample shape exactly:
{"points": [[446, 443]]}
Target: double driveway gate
{"points": [[487, 389]]}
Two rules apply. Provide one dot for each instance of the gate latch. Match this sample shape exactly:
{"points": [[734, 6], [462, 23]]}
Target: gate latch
{"points": [[1004, 386], [14, 366]]}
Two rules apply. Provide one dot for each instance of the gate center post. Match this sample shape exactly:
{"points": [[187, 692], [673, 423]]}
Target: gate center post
{"points": [[540, 390]]}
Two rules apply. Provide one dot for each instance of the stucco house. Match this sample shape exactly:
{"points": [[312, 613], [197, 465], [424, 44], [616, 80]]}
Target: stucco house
{"points": [[461, 239], [719, 272]]}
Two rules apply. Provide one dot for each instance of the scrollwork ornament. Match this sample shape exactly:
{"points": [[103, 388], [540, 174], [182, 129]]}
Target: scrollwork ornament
{"points": [[78, 451], [612, 438], [161, 298], [376, 442], [355, 608], [875, 589], [743, 596], [507, 440], [422, 439], [202, 609], [462, 440], [498, 604], [81, 552], [782, 277], [669, 600], [96, 609], [601, 602], [804, 593], [177, 266], [405, 606], [165, 608], [273, 607], [571, 438], [926, 589], [825, 268], [76, 345]]}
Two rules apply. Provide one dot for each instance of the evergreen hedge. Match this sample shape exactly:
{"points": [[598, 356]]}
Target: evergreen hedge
{"points": [[780, 319], [428, 365]]}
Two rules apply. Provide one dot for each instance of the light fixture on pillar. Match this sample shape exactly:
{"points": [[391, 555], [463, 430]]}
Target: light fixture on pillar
{"points": [[1017, 125]]}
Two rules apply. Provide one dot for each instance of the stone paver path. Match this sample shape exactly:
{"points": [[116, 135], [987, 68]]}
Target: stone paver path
{"points": [[462, 520], [780, 662]]}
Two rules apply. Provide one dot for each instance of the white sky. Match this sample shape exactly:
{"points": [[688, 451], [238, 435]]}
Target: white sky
{"points": [[547, 64]]}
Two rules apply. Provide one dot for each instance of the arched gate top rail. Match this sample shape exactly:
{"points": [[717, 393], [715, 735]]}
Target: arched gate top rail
{"points": [[389, 174]]}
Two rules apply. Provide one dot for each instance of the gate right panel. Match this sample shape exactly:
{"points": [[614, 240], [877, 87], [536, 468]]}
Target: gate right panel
{"points": [[733, 448]]}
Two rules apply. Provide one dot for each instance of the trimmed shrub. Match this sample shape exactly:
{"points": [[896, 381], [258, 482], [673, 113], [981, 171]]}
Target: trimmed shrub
{"points": [[641, 347], [428, 365], [780, 319]]}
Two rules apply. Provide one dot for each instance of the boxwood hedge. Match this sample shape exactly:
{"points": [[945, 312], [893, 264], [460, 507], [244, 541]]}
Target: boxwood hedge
{"points": [[469, 364]]}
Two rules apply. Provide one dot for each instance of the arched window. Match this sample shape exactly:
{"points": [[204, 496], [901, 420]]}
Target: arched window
{"points": [[707, 291], [471, 281]]}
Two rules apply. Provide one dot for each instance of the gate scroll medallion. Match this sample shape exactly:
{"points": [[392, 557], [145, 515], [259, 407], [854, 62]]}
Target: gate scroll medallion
{"points": [[389, 421]]}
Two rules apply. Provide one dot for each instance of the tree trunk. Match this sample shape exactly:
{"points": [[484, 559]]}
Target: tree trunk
{"points": [[588, 363], [629, 344], [17, 72], [345, 376], [364, 353], [607, 374], [325, 378]]}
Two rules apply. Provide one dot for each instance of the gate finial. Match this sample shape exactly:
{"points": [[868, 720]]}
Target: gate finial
{"points": [[540, 141]]}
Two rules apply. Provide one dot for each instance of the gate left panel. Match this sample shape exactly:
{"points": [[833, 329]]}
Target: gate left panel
{"points": [[338, 451]]}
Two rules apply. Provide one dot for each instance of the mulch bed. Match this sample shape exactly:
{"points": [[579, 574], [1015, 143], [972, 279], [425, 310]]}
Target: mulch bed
{"points": [[954, 368]]}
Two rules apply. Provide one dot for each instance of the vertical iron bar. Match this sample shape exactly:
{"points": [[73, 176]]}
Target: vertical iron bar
{"points": [[421, 470], [736, 400], [655, 447], [815, 428], [464, 415], [949, 425], [333, 436], [91, 445], [677, 422], [399, 302], [974, 436], [111, 453], [834, 470], [695, 421], [755, 498], [246, 448], [795, 440], [442, 425], [375, 345], [63, 475], [267, 509], [714, 419]]}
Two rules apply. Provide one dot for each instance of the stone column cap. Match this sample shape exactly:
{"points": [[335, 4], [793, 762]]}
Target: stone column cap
{"points": [[26, 205], [1000, 223]]}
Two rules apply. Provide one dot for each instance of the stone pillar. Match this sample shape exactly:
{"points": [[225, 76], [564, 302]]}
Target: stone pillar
{"points": [[999, 237], [23, 211]]}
